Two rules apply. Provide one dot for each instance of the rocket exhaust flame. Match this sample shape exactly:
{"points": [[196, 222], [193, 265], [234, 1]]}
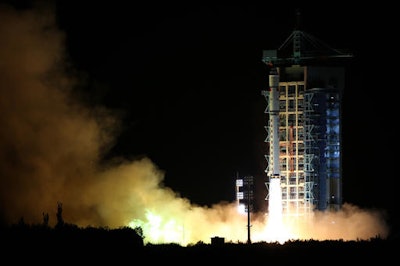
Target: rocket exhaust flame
{"points": [[275, 229]]}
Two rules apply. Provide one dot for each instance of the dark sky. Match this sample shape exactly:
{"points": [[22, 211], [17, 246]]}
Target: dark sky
{"points": [[187, 80]]}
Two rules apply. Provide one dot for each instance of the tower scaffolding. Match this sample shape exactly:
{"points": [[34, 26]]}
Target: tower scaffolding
{"points": [[311, 82]]}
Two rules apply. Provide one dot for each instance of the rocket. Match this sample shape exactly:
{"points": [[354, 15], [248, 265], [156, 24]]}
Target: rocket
{"points": [[274, 123]]}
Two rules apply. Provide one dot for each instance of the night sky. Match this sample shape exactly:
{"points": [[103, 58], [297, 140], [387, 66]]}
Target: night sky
{"points": [[186, 81]]}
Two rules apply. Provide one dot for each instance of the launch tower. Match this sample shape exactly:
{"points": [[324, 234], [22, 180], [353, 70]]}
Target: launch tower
{"points": [[304, 122]]}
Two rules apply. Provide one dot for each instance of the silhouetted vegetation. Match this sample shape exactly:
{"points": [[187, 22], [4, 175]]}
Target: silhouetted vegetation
{"points": [[24, 242], [68, 243]]}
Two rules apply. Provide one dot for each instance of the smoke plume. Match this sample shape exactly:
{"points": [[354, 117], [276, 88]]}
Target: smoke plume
{"points": [[51, 145]]}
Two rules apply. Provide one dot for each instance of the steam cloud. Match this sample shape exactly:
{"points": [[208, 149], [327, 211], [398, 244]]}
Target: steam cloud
{"points": [[51, 145]]}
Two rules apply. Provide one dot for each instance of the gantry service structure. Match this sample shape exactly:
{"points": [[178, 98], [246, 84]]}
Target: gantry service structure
{"points": [[311, 78]]}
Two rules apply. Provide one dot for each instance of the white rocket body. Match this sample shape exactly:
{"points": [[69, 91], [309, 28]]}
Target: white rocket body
{"points": [[274, 123]]}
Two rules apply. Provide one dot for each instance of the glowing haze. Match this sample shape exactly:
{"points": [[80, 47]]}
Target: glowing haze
{"points": [[51, 145]]}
